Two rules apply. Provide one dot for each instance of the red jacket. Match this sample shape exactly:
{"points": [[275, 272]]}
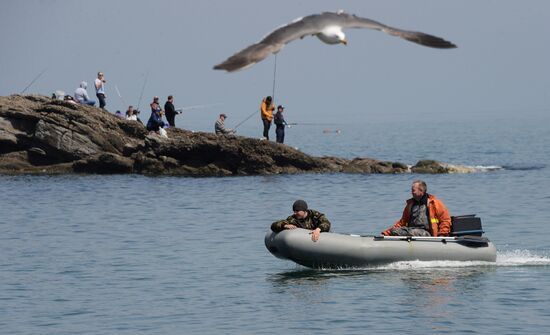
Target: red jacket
{"points": [[440, 221]]}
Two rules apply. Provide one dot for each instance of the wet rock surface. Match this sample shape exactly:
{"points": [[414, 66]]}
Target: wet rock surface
{"points": [[44, 136]]}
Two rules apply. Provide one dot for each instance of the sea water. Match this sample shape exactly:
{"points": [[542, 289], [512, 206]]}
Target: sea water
{"points": [[132, 254]]}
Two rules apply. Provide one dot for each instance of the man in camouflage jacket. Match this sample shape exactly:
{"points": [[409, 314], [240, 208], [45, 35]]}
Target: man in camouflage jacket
{"points": [[303, 218]]}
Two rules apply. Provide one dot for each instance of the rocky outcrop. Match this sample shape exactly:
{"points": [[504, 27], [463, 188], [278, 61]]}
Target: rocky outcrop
{"points": [[431, 166], [42, 135]]}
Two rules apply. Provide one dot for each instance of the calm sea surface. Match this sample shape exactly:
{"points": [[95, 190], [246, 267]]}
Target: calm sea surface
{"points": [[168, 255]]}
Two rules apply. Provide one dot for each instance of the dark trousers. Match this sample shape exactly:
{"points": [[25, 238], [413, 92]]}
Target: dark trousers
{"points": [[267, 125], [409, 231], [101, 98], [171, 118], [154, 126], [280, 133]]}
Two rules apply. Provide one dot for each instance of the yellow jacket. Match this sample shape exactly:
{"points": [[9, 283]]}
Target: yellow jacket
{"points": [[267, 110]]}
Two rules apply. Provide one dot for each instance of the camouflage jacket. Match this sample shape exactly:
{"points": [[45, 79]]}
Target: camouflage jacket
{"points": [[313, 220]]}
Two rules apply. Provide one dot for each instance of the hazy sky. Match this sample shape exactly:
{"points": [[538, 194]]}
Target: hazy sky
{"points": [[500, 67]]}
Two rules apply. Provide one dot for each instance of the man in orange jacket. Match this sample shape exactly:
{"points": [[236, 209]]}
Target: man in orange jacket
{"points": [[266, 110], [424, 215]]}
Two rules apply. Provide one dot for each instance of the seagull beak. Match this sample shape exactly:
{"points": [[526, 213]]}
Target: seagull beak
{"points": [[344, 41]]}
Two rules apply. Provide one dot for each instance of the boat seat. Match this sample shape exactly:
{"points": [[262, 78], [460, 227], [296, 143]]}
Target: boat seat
{"points": [[466, 225]]}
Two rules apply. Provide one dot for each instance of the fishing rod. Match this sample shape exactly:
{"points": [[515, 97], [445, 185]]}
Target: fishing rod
{"points": [[274, 75], [120, 96], [196, 107], [143, 89], [243, 121], [310, 124], [272, 95], [35, 79]]}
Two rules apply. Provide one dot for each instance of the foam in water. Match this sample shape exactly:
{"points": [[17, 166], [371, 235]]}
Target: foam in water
{"points": [[487, 168], [414, 265], [504, 258], [521, 258]]}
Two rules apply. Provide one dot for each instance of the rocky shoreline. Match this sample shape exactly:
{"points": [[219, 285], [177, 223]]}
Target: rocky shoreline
{"points": [[40, 135]]}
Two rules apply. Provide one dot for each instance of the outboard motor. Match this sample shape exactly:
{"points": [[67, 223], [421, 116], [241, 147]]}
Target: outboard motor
{"points": [[466, 225]]}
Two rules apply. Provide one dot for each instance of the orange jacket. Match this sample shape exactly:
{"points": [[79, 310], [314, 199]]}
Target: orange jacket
{"points": [[440, 221], [267, 111]]}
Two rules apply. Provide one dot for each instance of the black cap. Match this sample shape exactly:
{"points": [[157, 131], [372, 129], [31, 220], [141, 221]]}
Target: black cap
{"points": [[299, 205], [225, 116], [280, 107]]}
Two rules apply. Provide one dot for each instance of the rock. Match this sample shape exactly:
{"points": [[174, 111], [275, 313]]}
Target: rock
{"points": [[15, 161], [459, 168], [18, 162], [8, 142], [64, 143], [41, 135], [129, 149], [105, 163], [428, 166], [37, 156]]}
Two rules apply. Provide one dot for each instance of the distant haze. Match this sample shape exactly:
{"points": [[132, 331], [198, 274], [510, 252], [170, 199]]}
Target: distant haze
{"points": [[500, 67]]}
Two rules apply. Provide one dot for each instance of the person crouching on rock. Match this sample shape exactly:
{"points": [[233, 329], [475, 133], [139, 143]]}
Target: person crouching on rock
{"points": [[130, 114], [219, 126], [155, 120], [303, 218], [81, 95]]}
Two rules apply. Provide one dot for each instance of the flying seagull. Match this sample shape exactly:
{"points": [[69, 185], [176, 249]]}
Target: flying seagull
{"points": [[328, 28]]}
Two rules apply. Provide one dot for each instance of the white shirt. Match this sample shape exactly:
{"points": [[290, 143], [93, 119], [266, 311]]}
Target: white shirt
{"points": [[99, 86]]}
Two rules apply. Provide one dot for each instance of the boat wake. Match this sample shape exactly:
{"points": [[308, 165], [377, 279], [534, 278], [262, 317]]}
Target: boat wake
{"points": [[504, 258], [509, 258], [522, 258]]}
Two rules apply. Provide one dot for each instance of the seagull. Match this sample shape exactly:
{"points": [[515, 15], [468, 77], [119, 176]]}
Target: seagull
{"points": [[327, 27]]}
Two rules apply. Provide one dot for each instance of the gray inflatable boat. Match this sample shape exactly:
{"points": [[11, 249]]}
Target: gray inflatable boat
{"points": [[334, 250]]}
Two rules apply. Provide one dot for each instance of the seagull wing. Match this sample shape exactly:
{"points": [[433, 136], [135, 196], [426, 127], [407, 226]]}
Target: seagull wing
{"points": [[272, 43], [353, 21], [314, 24]]}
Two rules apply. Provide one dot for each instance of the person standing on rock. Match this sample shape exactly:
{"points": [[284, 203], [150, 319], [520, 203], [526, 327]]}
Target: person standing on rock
{"points": [[424, 215], [81, 95], [170, 111], [280, 124], [219, 126], [100, 89], [304, 218], [266, 111]]}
